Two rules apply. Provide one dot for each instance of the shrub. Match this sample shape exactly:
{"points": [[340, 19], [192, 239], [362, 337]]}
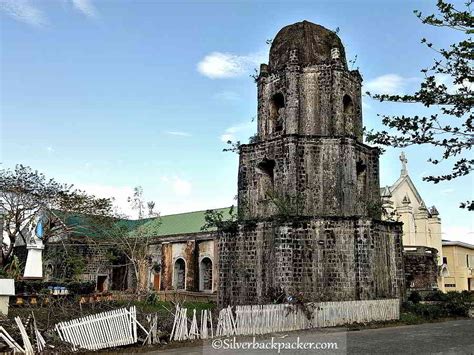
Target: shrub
{"points": [[435, 296], [451, 304], [410, 318], [426, 311], [414, 297]]}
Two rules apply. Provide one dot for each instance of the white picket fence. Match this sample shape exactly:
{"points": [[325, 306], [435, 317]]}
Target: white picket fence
{"points": [[331, 314], [180, 326], [262, 319], [99, 331], [119, 327]]}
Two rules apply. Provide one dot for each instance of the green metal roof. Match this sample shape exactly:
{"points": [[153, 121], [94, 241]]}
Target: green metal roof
{"points": [[181, 223], [174, 224]]}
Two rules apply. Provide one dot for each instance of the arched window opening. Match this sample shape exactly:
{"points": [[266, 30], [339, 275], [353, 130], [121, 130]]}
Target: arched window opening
{"points": [[360, 167], [267, 166], [348, 105], [267, 169], [102, 283], [205, 275], [179, 282], [277, 106]]}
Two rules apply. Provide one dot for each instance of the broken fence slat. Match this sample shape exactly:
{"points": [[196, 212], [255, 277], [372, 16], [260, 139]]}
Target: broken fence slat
{"points": [[24, 336], [100, 331], [8, 337]]}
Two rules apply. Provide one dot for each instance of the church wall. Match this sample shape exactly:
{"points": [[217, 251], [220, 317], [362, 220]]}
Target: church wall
{"points": [[317, 259], [97, 262], [434, 227], [207, 249], [421, 268], [190, 250]]}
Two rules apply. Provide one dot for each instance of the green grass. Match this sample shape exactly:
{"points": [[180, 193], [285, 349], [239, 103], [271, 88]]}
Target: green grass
{"points": [[410, 318], [165, 307]]}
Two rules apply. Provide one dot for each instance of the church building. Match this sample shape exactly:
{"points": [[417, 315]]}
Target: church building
{"points": [[423, 239], [312, 220]]}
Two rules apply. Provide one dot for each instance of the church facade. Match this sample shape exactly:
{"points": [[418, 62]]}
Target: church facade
{"points": [[430, 261], [403, 202]]}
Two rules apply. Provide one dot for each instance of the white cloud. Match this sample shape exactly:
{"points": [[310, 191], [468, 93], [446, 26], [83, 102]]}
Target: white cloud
{"points": [[218, 65], [86, 7], [50, 149], [237, 131], [452, 88], [178, 133], [227, 137], [458, 233], [180, 187], [25, 11], [22, 10], [120, 195], [195, 204], [389, 84]]}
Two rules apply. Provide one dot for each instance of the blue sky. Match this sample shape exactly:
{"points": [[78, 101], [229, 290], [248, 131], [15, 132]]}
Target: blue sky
{"points": [[109, 95]]}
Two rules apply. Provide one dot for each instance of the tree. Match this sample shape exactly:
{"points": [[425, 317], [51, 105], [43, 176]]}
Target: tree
{"points": [[220, 220], [451, 128], [151, 209], [133, 242], [138, 203], [26, 195]]}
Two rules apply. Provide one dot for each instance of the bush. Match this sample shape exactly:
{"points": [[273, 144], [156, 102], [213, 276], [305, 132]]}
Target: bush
{"points": [[444, 305], [426, 311], [435, 296], [80, 288], [414, 297], [410, 318]]}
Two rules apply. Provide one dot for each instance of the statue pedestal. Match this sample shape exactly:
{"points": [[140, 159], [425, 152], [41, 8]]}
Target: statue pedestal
{"points": [[34, 261]]}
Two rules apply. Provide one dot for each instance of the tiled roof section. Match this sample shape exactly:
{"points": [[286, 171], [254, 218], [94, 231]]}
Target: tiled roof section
{"points": [[182, 223]]}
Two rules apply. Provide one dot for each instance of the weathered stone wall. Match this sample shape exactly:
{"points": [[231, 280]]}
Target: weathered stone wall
{"points": [[308, 164], [166, 267], [313, 101], [421, 268], [96, 260], [320, 259], [324, 177], [192, 251]]}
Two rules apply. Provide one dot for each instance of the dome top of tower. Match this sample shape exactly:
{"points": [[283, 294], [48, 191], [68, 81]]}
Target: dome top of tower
{"points": [[314, 45]]}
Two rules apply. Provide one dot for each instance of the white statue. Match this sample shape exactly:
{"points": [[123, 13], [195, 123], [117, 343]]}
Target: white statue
{"points": [[34, 259]]}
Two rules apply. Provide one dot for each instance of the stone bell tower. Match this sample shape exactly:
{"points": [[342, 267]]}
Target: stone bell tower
{"points": [[308, 188], [309, 150]]}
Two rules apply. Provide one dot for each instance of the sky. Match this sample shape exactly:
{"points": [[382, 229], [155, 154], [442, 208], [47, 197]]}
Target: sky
{"points": [[109, 95]]}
